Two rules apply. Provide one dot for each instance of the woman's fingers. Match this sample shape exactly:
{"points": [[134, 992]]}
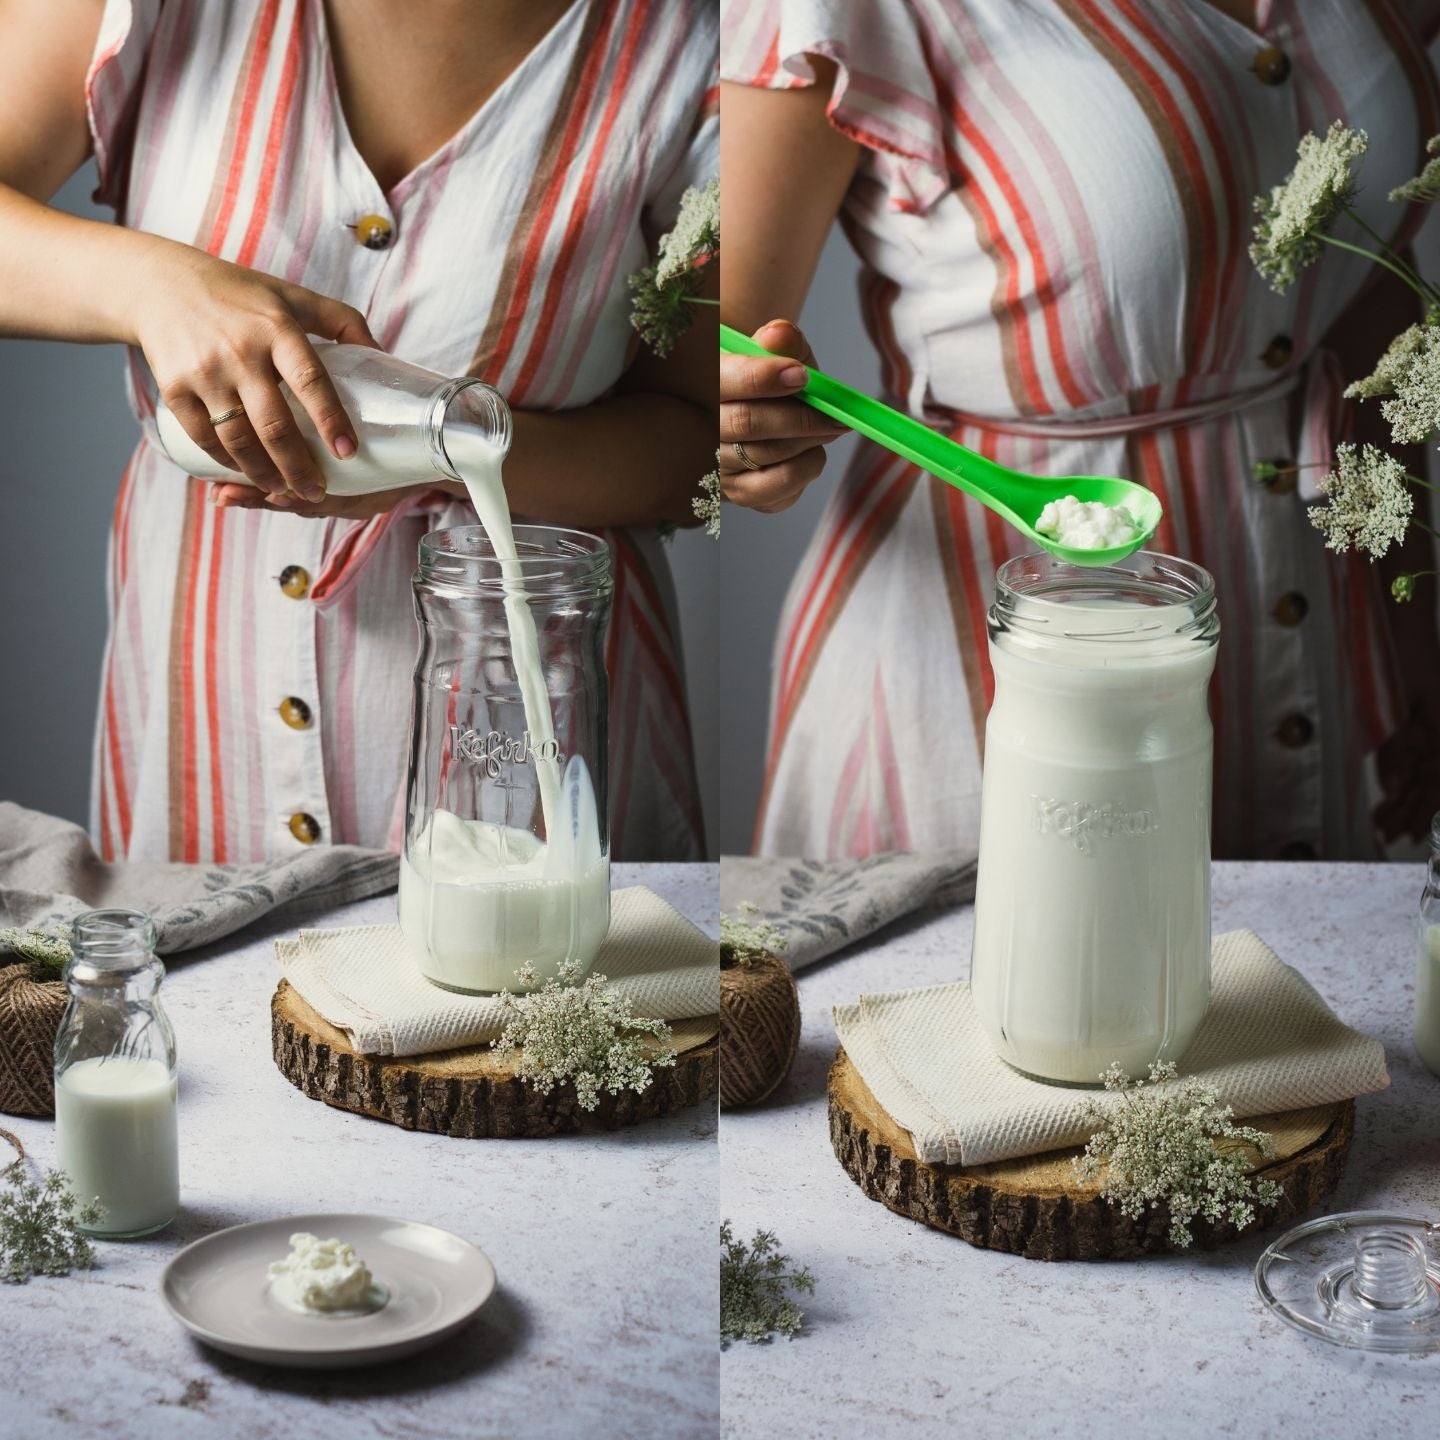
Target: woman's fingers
{"points": [[765, 453], [751, 420], [276, 437], [194, 417], [300, 368], [757, 377], [330, 319], [236, 432], [776, 487]]}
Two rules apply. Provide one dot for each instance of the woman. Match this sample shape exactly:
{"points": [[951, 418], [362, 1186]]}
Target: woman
{"points": [[1051, 200], [466, 186]]}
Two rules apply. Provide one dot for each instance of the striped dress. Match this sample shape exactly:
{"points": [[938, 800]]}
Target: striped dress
{"points": [[219, 124], [1052, 211]]}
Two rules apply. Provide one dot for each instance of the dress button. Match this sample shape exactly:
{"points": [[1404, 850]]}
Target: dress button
{"points": [[1298, 850], [295, 712], [295, 581], [1295, 731], [1271, 65], [374, 232], [1284, 483], [1276, 355], [1291, 609], [305, 828]]}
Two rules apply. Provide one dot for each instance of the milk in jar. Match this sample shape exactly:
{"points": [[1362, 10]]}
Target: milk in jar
{"points": [[1092, 907]]}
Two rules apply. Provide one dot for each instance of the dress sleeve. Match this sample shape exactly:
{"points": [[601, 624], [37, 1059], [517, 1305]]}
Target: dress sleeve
{"points": [[112, 89], [888, 91]]}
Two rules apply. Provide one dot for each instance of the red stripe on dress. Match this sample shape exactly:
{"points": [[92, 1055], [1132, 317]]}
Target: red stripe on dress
{"points": [[219, 847], [769, 67], [1202, 307], [117, 761], [275, 142], [521, 296], [580, 205], [1219, 148], [254, 83], [187, 717], [1008, 310]]}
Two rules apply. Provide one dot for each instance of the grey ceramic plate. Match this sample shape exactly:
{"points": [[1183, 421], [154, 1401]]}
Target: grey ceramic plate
{"points": [[218, 1290]]}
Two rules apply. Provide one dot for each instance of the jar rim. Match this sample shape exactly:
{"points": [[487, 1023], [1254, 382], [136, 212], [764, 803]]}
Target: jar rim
{"points": [[1149, 599], [552, 561], [102, 939]]}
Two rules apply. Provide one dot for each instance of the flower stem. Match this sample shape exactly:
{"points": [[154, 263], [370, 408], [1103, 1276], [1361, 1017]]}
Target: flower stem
{"points": [[1402, 271], [1417, 281]]}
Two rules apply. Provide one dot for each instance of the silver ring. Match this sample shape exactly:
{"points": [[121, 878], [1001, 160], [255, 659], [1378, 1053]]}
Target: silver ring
{"points": [[229, 414], [742, 457]]}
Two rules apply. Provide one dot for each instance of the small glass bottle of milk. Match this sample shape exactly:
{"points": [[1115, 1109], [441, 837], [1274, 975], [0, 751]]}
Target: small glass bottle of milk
{"points": [[506, 861], [412, 425], [1427, 965], [115, 1091]]}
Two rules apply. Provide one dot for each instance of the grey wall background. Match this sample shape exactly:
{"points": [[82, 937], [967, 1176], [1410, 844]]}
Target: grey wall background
{"points": [[65, 433]]}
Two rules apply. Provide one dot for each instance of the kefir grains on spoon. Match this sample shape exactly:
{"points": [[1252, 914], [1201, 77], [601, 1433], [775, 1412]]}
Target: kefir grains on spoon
{"points": [[325, 1277], [1086, 524]]}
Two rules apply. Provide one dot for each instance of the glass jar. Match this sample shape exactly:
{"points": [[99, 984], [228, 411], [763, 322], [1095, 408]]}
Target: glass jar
{"points": [[115, 1089], [1092, 904], [505, 873], [1427, 962], [407, 421]]}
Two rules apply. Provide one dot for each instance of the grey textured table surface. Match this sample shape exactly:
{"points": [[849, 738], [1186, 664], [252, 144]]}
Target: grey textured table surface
{"points": [[913, 1332], [604, 1322]]}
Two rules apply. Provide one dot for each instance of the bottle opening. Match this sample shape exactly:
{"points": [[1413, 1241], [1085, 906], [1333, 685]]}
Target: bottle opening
{"points": [[550, 562], [101, 937]]}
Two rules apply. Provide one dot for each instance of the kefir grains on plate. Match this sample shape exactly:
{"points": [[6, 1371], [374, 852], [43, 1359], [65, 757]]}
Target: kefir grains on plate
{"points": [[1086, 524], [325, 1277]]}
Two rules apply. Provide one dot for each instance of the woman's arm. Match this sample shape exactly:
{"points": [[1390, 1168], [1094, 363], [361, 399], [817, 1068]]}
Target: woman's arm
{"points": [[784, 174], [217, 336], [1409, 761]]}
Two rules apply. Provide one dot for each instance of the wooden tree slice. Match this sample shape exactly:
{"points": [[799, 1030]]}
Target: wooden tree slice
{"points": [[1036, 1207], [471, 1093]]}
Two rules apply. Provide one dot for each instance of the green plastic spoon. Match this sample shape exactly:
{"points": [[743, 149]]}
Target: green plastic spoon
{"points": [[1014, 496]]}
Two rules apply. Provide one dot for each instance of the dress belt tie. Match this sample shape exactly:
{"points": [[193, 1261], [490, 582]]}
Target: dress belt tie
{"points": [[1107, 426]]}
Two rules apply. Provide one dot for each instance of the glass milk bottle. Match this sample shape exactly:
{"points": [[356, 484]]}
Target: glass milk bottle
{"points": [[115, 1092], [407, 421], [1427, 962], [1092, 905], [506, 860]]}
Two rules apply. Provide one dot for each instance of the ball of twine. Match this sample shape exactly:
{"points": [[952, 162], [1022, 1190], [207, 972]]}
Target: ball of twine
{"points": [[30, 1012], [759, 1029]]}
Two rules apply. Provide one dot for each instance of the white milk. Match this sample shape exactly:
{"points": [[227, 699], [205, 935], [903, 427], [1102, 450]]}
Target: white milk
{"points": [[1427, 998], [1092, 910], [478, 901], [115, 1136], [1086, 524]]}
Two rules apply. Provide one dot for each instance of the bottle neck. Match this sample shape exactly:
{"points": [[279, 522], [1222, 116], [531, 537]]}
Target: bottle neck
{"points": [[113, 956]]}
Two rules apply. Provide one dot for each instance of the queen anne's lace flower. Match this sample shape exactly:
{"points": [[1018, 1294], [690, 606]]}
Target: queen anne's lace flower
{"points": [[1368, 503], [1176, 1148], [1291, 217], [1414, 410], [743, 941], [40, 1226], [706, 504], [754, 1304], [1384, 378], [581, 1032], [695, 235], [1424, 189]]}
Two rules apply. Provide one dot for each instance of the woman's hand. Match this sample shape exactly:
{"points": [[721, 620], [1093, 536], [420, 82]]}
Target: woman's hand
{"points": [[220, 339], [782, 437], [231, 495]]}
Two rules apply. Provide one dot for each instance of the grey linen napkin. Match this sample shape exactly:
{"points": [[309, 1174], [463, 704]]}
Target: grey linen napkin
{"points": [[824, 905], [49, 873], [1268, 1044]]}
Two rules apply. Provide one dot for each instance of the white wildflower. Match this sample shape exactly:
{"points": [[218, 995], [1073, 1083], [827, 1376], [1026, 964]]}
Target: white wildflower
{"points": [[706, 504], [42, 948], [1316, 190], [742, 941], [1158, 1147], [696, 233], [1414, 410], [1424, 189], [1368, 504], [584, 1033], [1385, 377]]}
